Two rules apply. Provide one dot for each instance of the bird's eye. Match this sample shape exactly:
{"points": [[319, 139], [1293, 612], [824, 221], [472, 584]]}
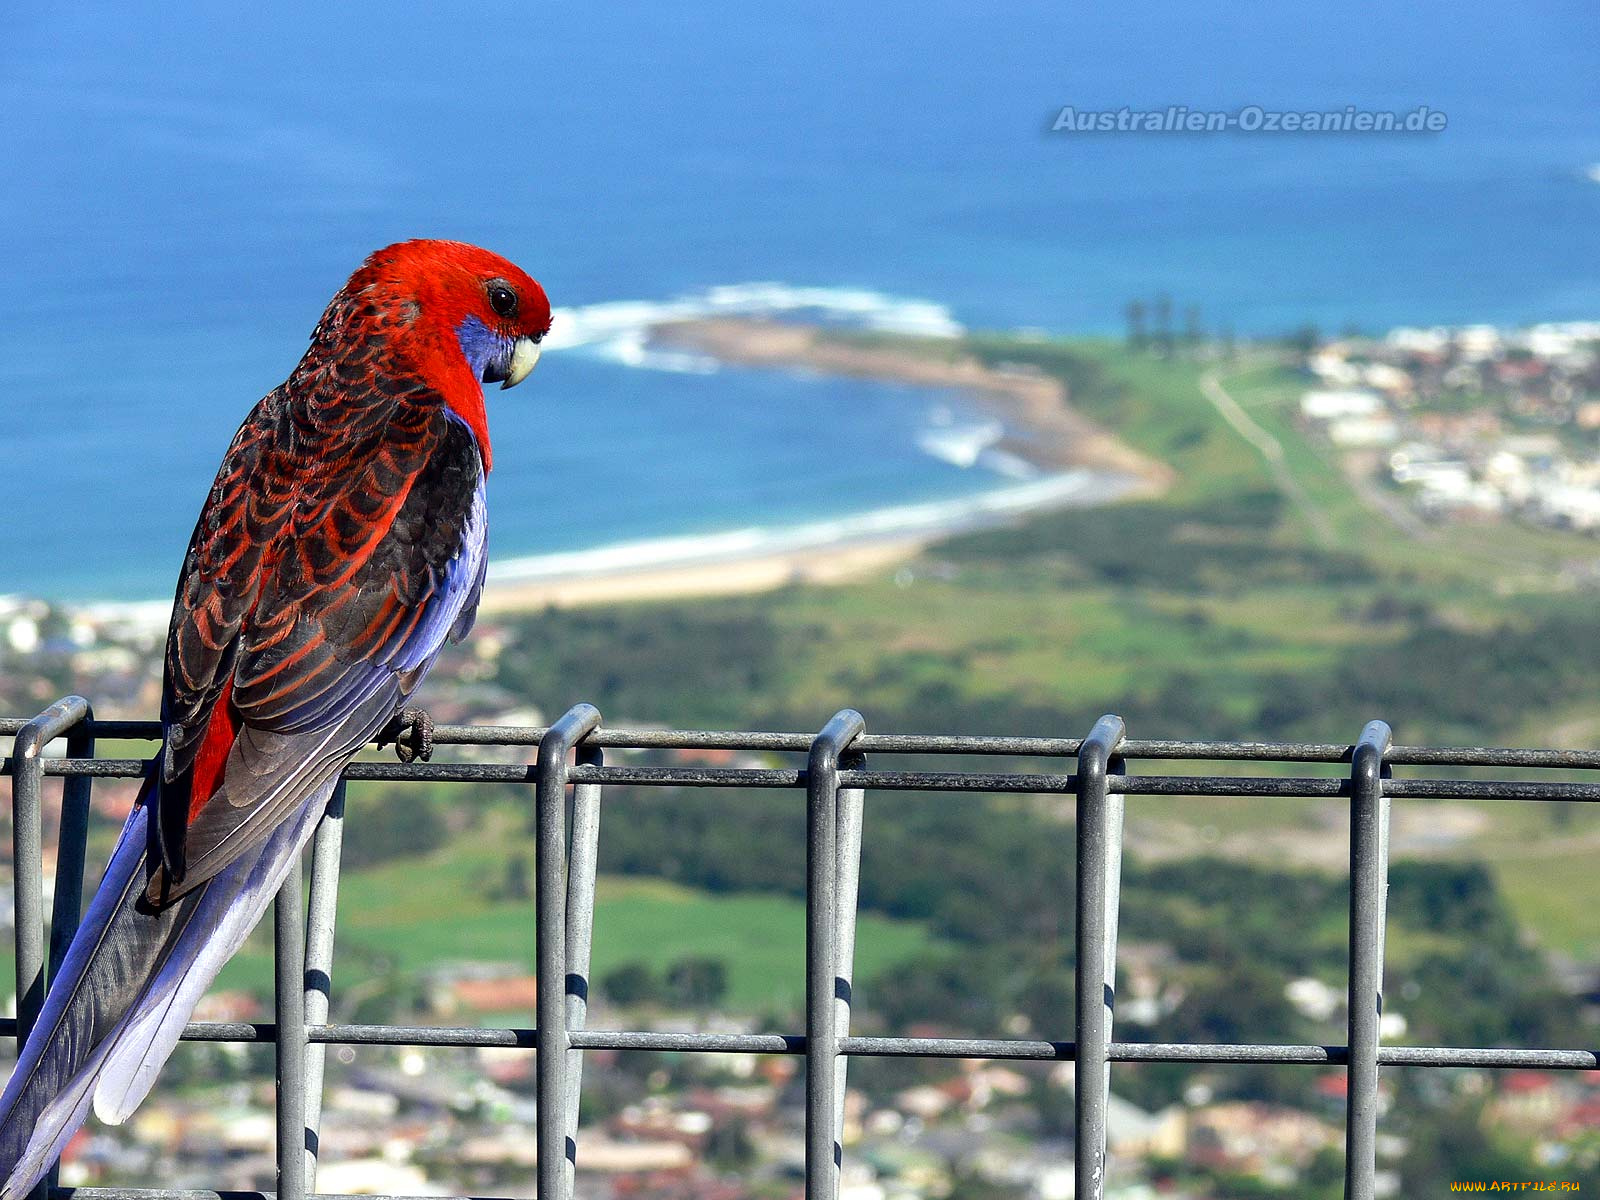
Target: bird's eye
{"points": [[503, 300]]}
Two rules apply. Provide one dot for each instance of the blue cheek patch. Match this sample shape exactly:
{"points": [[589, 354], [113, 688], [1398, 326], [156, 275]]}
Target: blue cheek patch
{"points": [[479, 343]]}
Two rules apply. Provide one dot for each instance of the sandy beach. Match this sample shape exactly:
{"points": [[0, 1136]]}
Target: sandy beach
{"points": [[840, 564], [1077, 464]]}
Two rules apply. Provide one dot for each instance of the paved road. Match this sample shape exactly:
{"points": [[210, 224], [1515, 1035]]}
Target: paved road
{"points": [[1272, 450]]}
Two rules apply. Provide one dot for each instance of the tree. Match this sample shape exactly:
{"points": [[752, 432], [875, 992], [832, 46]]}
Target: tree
{"points": [[697, 982], [381, 829], [729, 1145], [516, 885], [1138, 336], [1304, 340], [631, 983], [1456, 1143], [1163, 323]]}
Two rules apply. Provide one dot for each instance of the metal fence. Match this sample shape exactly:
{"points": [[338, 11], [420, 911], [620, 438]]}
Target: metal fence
{"points": [[568, 774]]}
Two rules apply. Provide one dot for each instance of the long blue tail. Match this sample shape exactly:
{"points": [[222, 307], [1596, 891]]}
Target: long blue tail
{"points": [[129, 983]]}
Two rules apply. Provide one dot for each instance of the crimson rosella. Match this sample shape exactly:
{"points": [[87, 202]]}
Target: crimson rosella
{"points": [[342, 544]]}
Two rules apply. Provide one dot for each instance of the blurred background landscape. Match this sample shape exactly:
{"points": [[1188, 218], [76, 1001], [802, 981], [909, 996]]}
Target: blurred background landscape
{"points": [[869, 388]]}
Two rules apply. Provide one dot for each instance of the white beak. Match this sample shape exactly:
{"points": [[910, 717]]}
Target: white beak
{"points": [[524, 354]]}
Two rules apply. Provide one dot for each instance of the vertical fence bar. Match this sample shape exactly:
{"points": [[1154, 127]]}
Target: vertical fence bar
{"points": [[1099, 878], [289, 984], [27, 851], [321, 913], [847, 847], [582, 860], [1369, 887], [556, 1170], [71, 845], [822, 949], [27, 859]]}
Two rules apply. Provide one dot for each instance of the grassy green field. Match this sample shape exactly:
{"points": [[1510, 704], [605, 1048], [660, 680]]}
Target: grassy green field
{"points": [[1543, 861], [415, 913]]}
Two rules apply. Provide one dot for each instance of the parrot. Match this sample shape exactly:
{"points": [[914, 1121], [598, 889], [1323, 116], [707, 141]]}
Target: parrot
{"points": [[341, 546]]}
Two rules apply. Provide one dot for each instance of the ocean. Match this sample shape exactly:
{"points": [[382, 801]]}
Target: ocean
{"points": [[184, 189]]}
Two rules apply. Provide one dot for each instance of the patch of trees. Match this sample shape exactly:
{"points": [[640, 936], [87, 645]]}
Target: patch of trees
{"points": [[1218, 547], [695, 982], [389, 823], [712, 664]]}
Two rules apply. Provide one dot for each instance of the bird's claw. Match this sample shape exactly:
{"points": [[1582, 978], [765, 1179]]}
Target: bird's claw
{"points": [[411, 731]]}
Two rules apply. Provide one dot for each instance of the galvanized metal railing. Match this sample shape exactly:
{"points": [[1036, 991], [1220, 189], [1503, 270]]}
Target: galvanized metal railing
{"points": [[568, 775]]}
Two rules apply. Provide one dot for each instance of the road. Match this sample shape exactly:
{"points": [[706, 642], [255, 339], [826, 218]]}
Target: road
{"points": [[1272, 450]]}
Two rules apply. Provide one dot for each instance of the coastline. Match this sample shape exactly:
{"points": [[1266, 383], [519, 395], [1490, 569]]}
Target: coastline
{"points": [[1041, 426], [758, 559], [1067, 461], [1042, 453]]}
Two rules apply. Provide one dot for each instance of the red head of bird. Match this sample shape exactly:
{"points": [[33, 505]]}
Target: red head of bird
{"points": [[449, 315]]}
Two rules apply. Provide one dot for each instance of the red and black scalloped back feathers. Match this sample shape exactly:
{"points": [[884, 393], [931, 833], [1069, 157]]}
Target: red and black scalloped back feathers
{"points": [[330, 547]]}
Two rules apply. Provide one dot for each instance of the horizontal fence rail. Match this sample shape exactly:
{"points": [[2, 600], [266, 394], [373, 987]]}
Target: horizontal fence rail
{"points": [[568, 774]]}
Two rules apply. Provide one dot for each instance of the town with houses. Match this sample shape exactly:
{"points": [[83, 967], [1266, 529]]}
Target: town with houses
{"points": [[1471, 423], [1464, 424]]}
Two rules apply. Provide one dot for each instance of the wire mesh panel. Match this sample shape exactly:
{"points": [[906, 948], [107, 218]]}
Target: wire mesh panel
{"points": [[568, 775]]}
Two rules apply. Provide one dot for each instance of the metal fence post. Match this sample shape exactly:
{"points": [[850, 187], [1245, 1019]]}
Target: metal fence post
{"points": [[1369, 888], [823, 1157], [289, 985], [71, 845], [847, 847], [321, 913], [27, 851], [67, 715], [582, 861], [1099, 837], [557, 1157]]}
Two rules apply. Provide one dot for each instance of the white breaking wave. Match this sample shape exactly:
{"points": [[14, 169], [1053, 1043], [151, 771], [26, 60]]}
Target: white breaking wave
{"points": [[619, 330], [871, 309], [1003, 462], [960, 445], [975, 444], [1067, 489]]}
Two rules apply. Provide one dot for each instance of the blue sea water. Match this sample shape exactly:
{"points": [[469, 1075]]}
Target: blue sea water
{"points": [[183, 188]]}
